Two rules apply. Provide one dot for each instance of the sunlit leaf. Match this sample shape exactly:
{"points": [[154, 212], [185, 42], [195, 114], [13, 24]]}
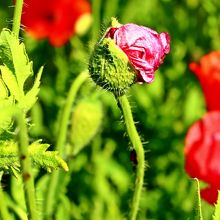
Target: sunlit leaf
{"points": [[16, 69]]}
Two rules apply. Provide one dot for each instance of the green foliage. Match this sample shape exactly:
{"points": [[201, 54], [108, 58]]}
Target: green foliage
{"points": [[49, 160], [6, 113], [16, 69], [3, 89]]}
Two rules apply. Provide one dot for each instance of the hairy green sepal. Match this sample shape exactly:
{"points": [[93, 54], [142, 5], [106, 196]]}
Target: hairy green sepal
{"points": [[109, 67]]}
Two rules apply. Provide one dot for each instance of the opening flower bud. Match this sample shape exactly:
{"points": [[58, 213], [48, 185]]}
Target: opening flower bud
{"points": [[127, 54]]}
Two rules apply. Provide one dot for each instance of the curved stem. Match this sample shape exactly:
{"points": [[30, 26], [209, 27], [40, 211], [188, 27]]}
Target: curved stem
{"points": [[62, 133], [57, 176], [17, 17], [25, 161], [61, 62], [3, 206], [138, 147]]}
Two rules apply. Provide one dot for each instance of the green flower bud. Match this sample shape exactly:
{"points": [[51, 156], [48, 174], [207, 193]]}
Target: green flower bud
{"points": [[110, 68], [85, 123]]}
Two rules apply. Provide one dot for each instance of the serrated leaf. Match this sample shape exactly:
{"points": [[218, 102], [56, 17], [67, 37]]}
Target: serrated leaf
{"points": [[11, 83], [49, 160], [3, 89], [31, 96], [6, 113], [9, 160], [13, 55], [16, 69]]}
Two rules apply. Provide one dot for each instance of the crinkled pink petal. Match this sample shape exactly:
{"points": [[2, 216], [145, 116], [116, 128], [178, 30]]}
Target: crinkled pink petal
{"points": [[144, 47]]}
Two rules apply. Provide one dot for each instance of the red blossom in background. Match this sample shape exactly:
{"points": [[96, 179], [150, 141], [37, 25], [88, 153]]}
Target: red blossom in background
{"points": [[208, 73], [202, 153], [210, 194], [144, 47], [53, 19]]}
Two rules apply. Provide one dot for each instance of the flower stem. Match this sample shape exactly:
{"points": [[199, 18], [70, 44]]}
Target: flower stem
{"points": [[17, 17], [199, 209], [25, 161], [54, 186], [62, 133], [4, 214], [138, 147], [27, 176]]}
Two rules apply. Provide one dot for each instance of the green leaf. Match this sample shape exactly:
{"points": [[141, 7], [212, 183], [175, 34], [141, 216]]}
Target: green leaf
{"points": [[6, 113], [3, 89], [49, 160], [16, 69], [216, 215], [31, 96], [9, 160]]}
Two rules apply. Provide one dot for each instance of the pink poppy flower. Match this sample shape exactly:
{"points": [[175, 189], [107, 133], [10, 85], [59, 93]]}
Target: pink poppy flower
{"points": [[144, 47]]}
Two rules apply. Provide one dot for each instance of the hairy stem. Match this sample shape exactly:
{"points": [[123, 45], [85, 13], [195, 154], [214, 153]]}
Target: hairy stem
{"points": [[25, 161], [4, 214], [26, 172], [199, 208], [138, 147], [17, 17], [54, 186]]}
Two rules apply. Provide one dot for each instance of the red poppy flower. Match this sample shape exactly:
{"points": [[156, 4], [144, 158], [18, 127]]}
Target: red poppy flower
{"points": [[202, 151], [210, 194], [208, 73], [53, 19], [144, 47]]}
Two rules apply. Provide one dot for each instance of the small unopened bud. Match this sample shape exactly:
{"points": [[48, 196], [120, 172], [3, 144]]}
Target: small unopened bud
{"points": [[85, 123]]}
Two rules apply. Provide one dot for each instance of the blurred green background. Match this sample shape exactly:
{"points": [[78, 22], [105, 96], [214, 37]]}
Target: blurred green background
{"points": [[101, 175]]}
